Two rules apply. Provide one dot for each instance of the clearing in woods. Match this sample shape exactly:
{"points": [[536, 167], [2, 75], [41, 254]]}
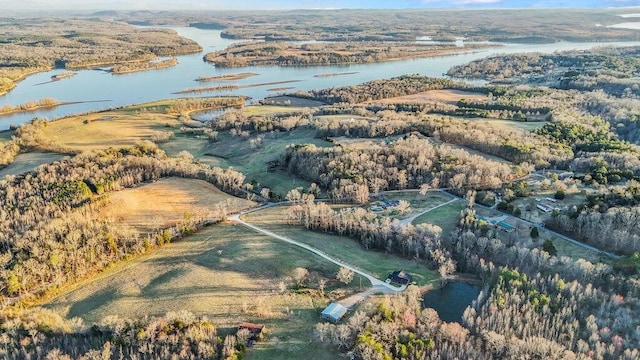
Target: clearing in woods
{"points": [[166, 202], [446, 217], [29, 162], [254, 162]]}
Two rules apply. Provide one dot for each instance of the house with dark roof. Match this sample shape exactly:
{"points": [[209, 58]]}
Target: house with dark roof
{"points": [[399, 277]]}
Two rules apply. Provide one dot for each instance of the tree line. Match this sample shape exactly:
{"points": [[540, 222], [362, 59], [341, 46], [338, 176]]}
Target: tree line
{"points": [[407, 163], [51, 232]]}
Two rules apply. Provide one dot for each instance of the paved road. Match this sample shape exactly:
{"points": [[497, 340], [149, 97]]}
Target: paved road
{"points": [[376, 283], [540, 227]]}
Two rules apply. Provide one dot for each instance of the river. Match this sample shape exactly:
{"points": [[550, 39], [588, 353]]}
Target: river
{"points": [[88, 87]]}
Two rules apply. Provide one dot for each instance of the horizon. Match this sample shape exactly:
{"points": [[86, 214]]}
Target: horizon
{"points": [[195, 5]]}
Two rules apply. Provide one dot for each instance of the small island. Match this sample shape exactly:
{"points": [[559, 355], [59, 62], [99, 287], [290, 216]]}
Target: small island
{"points": [[63, 75], [231, 87], [335, 74], [228, 77], [143, 66]]}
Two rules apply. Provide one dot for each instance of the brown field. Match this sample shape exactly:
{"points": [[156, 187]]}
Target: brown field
{"points": [[435, 96], [107, 129], [225, 272], [164, 203], [29, 162]]}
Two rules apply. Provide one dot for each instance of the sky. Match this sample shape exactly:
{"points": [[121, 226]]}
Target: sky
{"points": [[301, 4]]}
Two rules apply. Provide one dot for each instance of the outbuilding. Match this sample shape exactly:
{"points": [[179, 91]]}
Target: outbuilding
{"points": [[334, 312]]}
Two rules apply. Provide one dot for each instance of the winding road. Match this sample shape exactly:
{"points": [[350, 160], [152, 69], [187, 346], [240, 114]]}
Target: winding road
{"points": [[377, 284]]}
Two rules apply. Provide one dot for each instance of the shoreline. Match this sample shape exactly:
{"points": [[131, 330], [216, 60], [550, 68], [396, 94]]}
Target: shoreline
{"points": [[52, 106], [459, 277]]}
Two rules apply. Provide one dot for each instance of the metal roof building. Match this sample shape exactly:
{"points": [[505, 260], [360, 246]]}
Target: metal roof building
{"points": [[334, 312]]}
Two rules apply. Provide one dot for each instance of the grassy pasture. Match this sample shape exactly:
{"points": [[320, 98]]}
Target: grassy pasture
{"points": [[196, 146], [225, 272], [341, 248], [254, 110], [571, 250], [522, 125], [29, 162], [446, 217], [235, 152], [107, 129], [419, 202], [164, 203]]}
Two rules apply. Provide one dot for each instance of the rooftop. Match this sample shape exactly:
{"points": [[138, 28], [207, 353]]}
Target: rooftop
{"points": [[334, 312]]}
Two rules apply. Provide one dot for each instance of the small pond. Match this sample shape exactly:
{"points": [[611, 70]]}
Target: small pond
{"points": [[208, 115], [451, 300]]}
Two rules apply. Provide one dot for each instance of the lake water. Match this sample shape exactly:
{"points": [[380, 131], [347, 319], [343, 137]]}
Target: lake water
{"points": [[126, 89], [451, 300]]}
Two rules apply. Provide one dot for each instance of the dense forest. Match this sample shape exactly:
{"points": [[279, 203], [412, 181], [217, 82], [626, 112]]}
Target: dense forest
{"points": [[513, 25], [352, 175], [332, 53]]}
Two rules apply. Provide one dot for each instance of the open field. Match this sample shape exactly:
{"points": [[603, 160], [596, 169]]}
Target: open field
{"points": [[419, 202], [434, 97], [522, 125], [232, 151], [573, 251], [29, 162], [195, 145], [166, 202], [446, 217], [225, 272], [107, 129], [341, 248], [254, 110]]}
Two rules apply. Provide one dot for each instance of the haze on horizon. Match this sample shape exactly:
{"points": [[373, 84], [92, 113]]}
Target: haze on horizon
{"points": [[43, 5]]}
